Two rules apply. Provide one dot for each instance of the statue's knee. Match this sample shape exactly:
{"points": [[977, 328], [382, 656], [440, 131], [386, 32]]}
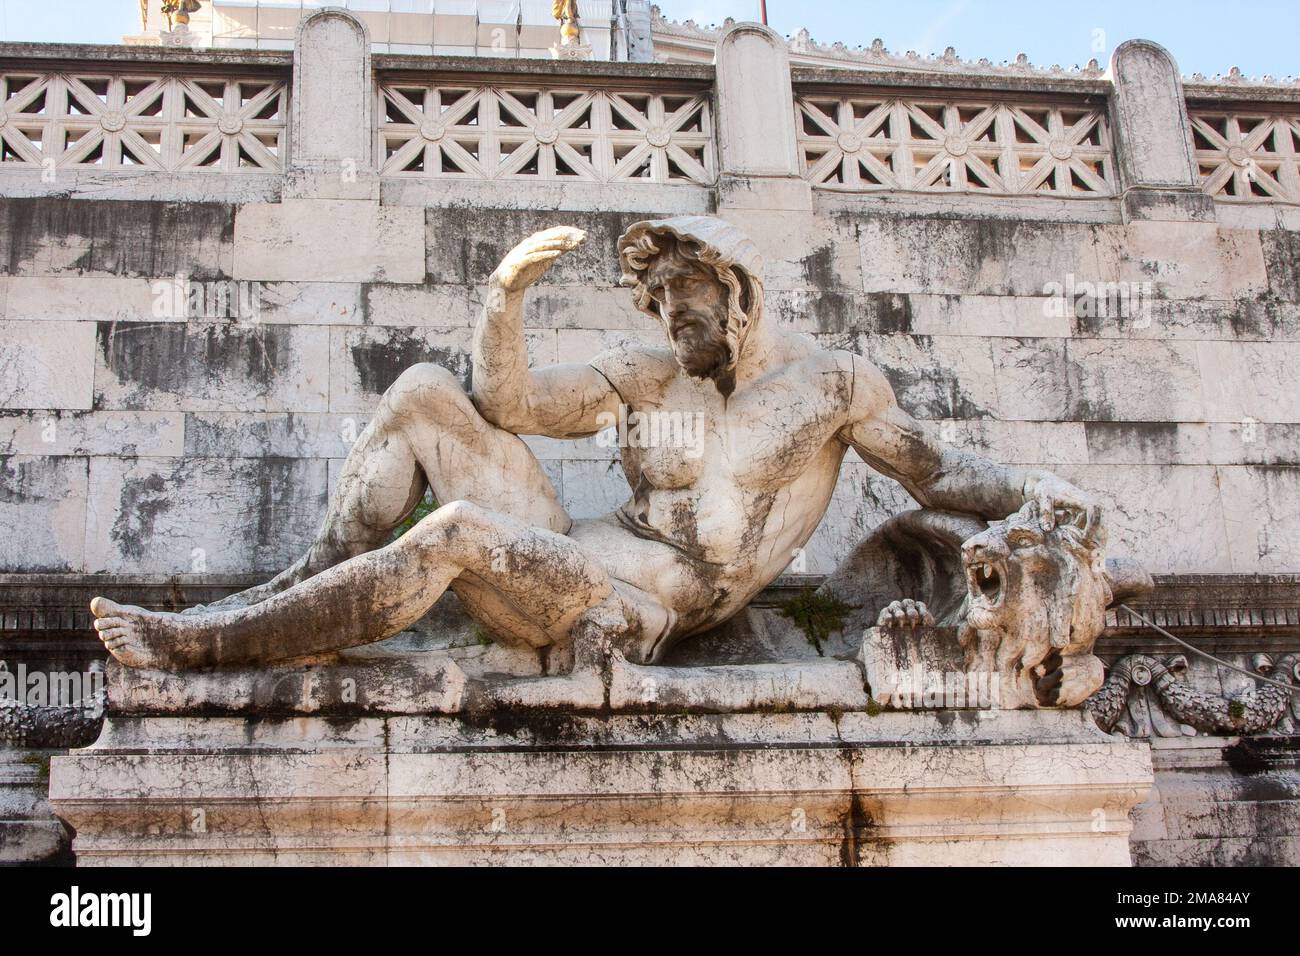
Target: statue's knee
{"points": [[461, 514], [446, 524], [427, 391]]}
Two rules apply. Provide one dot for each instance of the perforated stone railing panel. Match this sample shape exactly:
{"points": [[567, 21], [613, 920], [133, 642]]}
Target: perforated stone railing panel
{"points": [[507, 132], [123, 120], [1003, 147], [1248, 154]]}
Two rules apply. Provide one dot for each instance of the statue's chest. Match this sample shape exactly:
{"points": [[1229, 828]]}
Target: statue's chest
{"points": [[765, 438], [666, 447]]}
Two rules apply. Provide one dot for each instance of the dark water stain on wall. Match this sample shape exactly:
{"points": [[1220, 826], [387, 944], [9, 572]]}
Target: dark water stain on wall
{"points": [[184, 359], [141, 503], [465, 245], [819, 268], [1156, 443], [926, 390], [1282, 262], [380, 361], [57, 235], [280, 493]]}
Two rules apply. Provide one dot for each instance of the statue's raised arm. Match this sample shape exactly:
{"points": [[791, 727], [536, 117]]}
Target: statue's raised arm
{"points": [[560, 401]]}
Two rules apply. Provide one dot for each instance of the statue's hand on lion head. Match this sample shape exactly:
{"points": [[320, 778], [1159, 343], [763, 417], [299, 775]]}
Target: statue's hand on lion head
{"points": [[1037, 597]]}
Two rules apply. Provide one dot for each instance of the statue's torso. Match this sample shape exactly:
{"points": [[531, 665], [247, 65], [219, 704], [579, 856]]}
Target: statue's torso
{"points": [[724, 490]]}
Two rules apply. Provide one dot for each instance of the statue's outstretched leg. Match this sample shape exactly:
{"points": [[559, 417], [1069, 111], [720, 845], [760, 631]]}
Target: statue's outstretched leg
{"points": [[535, 574], [426, 433]]}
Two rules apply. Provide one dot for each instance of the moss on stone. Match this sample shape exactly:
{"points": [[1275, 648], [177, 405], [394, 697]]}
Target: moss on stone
{"points": [[40, 761], [427, 506], [817, 614]]}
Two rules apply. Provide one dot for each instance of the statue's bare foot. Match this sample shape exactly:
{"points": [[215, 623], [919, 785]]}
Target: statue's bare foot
{"points": [[138, 637]]}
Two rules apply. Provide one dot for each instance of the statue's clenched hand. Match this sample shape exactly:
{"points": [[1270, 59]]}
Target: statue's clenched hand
{"points": [[1056, 495], [529, 261]]}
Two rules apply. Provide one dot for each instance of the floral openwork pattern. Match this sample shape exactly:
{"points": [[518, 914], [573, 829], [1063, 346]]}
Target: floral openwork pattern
{"points": [[864, 143], [546, 134], [127, 120], [1251, 156]]}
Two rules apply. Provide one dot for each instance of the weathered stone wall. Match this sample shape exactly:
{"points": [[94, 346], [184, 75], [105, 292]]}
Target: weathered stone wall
{"points": [[137, 439], [134, 444]]}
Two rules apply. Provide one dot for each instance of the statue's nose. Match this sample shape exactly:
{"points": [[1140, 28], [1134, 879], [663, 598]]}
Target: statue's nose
{"points": [[980, 548]]}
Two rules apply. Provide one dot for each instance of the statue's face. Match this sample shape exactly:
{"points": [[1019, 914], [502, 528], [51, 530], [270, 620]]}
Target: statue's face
{"points": [[692, 303]]}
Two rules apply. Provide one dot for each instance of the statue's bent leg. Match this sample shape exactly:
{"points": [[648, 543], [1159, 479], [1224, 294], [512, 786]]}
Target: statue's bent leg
{"points": [[541, 576], [426, 433]]}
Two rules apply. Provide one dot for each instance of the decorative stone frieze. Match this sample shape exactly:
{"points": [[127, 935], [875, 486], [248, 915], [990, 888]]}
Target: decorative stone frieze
{"points": [[994, 147], [115, 120], [546, 133]]}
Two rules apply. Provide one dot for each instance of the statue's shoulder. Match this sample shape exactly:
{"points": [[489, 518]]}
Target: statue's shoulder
{"points": [[635, 369], [845, 361], [869, 388]]}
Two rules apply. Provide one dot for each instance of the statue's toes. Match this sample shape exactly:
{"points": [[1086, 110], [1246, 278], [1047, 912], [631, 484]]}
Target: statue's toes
{"points": [[926, 619]]}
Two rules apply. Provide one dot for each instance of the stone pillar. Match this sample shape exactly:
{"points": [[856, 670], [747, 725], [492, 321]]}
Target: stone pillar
{"points": [[758, 155], [1153, 141], [639, 44], [331, 126], [329, 225]]}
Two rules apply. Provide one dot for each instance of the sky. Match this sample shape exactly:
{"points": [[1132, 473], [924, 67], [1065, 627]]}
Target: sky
{"points": [[1205, 36]]}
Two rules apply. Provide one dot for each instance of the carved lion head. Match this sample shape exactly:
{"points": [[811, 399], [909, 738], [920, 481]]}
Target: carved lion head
{"points": [[1036, 604]]}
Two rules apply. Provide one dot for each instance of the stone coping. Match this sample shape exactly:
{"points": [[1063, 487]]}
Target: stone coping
{"points": [[558, 731], [121, 53], [484, 66], [835, 77], [84, 53]]}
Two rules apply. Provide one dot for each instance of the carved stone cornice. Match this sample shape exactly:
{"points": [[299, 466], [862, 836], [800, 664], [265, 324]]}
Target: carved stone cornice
{"points": [[1232, 612]]}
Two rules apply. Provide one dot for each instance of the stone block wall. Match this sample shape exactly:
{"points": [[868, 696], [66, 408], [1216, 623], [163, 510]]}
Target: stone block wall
{"points": [[134, 444]]}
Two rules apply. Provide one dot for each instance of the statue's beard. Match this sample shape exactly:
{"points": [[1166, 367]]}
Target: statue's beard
{"points": [[700, 345]]}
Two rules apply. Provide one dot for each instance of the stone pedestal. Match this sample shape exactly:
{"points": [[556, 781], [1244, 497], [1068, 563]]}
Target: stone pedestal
{"points": [[29, 831], [954, 787], [1221, 801]]}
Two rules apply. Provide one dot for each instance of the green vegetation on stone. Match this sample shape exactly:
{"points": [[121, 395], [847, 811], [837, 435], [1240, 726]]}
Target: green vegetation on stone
{"points": [[427, 506], [818, 615]]}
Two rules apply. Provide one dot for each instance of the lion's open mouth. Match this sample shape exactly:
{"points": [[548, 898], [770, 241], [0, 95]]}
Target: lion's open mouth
{"points": [[986, 581]]}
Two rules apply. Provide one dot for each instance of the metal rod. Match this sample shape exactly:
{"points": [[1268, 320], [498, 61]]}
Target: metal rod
{"points": [[1196, 650], [762, 6]]}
